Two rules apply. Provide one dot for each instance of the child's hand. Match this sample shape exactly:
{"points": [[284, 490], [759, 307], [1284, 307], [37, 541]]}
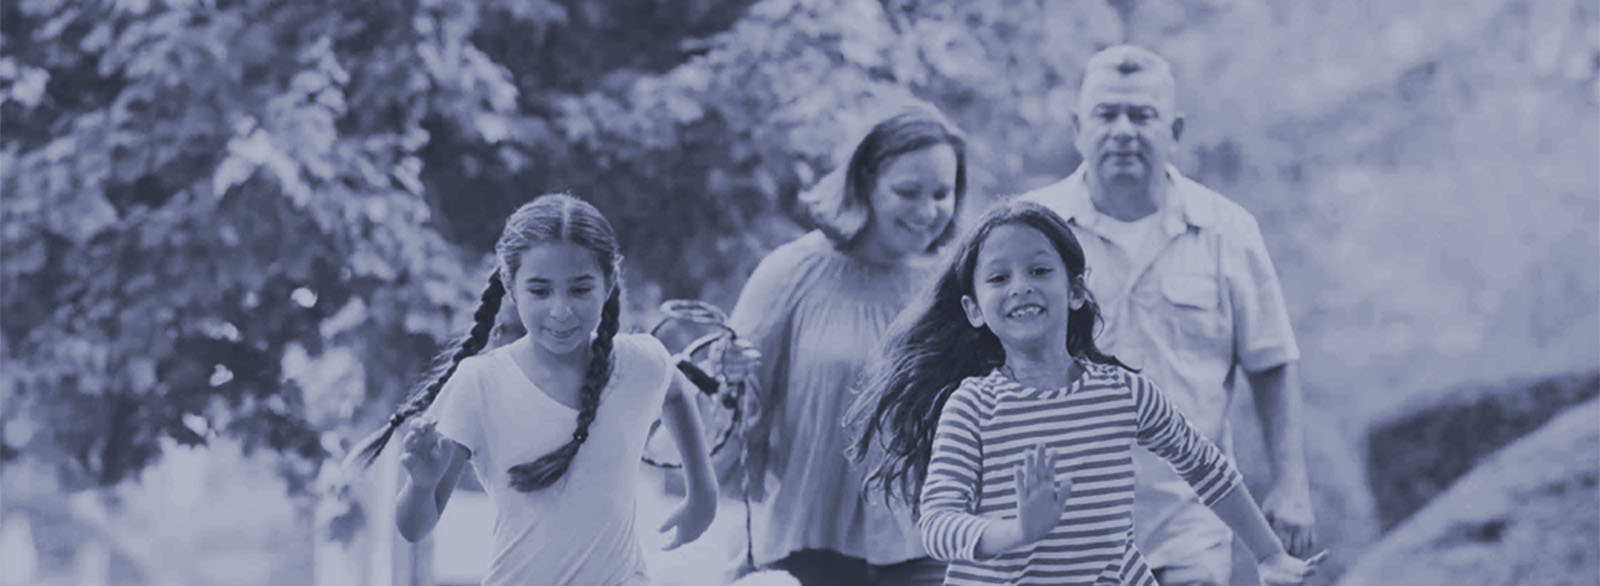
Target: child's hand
{"points": [[1039, 501], [691, 520], [425, 452], [1284, 569]]}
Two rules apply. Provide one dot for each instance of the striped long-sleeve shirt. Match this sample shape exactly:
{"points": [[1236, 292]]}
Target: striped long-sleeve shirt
{"points": [[1091, 426]]}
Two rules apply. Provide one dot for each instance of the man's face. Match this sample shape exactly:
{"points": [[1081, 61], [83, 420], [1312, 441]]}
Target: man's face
{"points": [[1127, 126]]}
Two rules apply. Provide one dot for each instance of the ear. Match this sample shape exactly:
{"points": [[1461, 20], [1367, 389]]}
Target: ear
{"points": [[508, 307], [974, 316], [1077, 125], [507, 323], [1177, 128], [1075, 296]]}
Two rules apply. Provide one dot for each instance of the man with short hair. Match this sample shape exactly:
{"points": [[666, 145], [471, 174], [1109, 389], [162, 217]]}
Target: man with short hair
{"points": [[1188, 293]]}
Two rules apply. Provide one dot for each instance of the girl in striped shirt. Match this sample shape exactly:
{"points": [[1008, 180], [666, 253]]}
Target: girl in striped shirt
{"points": [[1020, 430]]}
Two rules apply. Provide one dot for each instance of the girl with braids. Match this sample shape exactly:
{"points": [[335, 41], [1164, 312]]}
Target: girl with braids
{"points": [[1014, 434], [555, 421]]}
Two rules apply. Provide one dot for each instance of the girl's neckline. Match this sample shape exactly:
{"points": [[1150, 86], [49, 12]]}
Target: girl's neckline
{"points": [[509, 352], [1073, 379]]}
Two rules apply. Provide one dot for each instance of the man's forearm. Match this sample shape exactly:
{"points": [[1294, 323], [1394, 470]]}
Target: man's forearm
{"points": [[1280, 405]]}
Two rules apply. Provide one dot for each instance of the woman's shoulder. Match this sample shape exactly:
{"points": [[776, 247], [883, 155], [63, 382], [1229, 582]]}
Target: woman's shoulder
{"points": [[811, 247], [789, 270]]}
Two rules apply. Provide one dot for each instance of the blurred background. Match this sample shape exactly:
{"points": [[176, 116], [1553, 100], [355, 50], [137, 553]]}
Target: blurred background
{"points": [[234, 232]]}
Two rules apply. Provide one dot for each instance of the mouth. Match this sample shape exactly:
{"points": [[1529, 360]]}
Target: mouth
{"points": [[1025, 311], [921, 233], [562, 334]]}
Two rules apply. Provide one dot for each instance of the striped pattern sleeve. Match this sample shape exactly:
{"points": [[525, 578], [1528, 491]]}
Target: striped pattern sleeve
{"points": [[949, 527], [1165, 432]]}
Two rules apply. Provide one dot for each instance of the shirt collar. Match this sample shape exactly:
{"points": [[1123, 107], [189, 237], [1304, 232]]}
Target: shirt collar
{"points": [[1185, 205]]}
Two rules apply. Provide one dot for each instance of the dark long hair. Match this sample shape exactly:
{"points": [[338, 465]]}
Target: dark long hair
{"points": [[548, 218], [932, 348]]}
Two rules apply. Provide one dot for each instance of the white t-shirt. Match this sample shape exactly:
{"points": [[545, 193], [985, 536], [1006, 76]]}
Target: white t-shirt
{"points": [[579, 531], [1138, 239]]}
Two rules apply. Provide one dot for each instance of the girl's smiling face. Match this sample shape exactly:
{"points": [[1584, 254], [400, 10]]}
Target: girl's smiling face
{"points": [[1021, 290], [559, 292]]}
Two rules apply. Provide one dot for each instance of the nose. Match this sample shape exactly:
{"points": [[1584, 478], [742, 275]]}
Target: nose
{"points": [[1122, 128], [561, 309], [928, 213]]}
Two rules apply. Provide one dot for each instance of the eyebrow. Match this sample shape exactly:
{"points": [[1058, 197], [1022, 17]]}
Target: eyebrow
{"points": [[918, 183], [1128, 105], [1048, 254], [577, 279]]}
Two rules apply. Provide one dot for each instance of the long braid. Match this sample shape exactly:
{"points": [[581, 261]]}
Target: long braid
{"points": [[550, 467], [482, 323]]}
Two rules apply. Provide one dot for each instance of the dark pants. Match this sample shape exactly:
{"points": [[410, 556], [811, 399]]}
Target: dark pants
{"points": [[819, 567]]}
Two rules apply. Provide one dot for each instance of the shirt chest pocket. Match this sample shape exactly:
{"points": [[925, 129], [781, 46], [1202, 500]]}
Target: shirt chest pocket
{"points": [[1193, 305]]}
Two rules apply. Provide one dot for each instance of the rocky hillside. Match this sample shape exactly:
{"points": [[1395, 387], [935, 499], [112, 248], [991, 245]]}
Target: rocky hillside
{"points": [[1530, 514]]}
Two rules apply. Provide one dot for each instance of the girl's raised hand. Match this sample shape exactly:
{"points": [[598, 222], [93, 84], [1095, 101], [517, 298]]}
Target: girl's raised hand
{"points": [[1039, 501], [1286, 570], [425, 452]]}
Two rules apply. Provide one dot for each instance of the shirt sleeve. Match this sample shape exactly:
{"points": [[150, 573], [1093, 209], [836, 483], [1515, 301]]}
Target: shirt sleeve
{"points": [[459, 406], [1165, 432], [1263, 337], [950, 529], [763, 317], [656, 362]]}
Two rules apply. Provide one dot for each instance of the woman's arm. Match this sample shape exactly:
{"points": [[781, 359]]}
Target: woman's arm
{"points": [[763, 318]]}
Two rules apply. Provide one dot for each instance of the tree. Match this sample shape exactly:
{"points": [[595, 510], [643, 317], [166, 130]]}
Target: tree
{"points": [[196, 190]]}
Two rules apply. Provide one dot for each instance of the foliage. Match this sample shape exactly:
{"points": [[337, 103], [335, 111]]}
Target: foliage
{"points": [[197, 190], [199, 187], [258, 219]]}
